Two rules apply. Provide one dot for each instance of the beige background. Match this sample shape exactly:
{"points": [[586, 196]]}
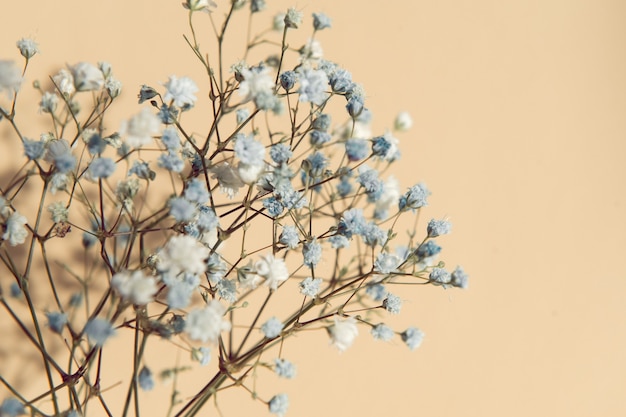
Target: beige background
{"points": [[520, 117]]}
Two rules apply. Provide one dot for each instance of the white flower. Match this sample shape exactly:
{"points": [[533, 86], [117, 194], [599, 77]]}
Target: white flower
{"points": [[99, 330], [311, 51], [58, 211], [183, 253], [28, 47], [250, 173], [140, 128], [403, 122], [87, 77], [135, 286], [199, 5], [273, 270], [256, 82], [181, 90], [10, 77], [343, 333], [64, 81], [313, 84], [207, 323], [15, 232], [227, 178], [390, 196]]}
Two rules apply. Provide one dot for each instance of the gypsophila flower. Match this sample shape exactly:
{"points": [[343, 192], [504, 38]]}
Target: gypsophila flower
{"points": [[387, 263], [171, 162], [373, 235], [403, 122], [15, 231], [280, 153], [207, 323], [255, 82], [140, 128], [201, 355], [248, 150], [99, 330], [413, 337], [28, 47], [339, 242], [288, 79], [170, 139], [414, 198], [181, 91], [14, 290], [438, 227], [311, 52], [183, 254], [284, 368], [355, 106], [386, 147], [199, 5], [227, 290], [278, 404], [196, 191], [428, 249], [113, 86], [11, 407], [142, 170], [257, 5], [242, 115], [87, 77], [10, 77], [49, 102], [272, 328], [145, 379], [101, 168], [312, 86], [227, 178], [274, 270], [392, 304], [459, 278], [278, 22], [357, 149], [343, 333], [319, 138], [181, 209], [439, 276], [382, 332], [320, 21], [56, 321], [310, 286], [293, 18], [64, 81], [180, 290], [58, 212], [135, 286], [312, 253], [352, 222], [322, 122], [289, 237], [388, 199], [34, 149], [377, 292], [146, 93]]}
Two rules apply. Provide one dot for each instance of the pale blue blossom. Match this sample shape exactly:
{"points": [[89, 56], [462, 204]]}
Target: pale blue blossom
{"points": [[387, 263], [320, 21], [196, 191], [146, 379], [11, 407], [101, 168], [352, 222], [339, 242], [170, 139], [414, 198], [373, 235], [312, 253], [313, 86], [272, 328], [289, 237], [438, 227], [34, 149], [242, 115], [249, 150], [377, 291], [310, 286], [392, 303], [280, 153], [60, 154], [284, 368], [459, 278], [355, 106], [181, 91], [49, 102], [96, 144], [288, 79], [357, 149], [318, 138], [382, 332], [171, 162], [368, 179], [413, 337], [207, 219], [428, 249], [293, 18], [322, 122], [146, 93], [439, 276], [28, 47], [181, 209], [227, 290], [56, 321], [10, 77], [274, 206], [142, 170], [341, 81], [99, 330]]}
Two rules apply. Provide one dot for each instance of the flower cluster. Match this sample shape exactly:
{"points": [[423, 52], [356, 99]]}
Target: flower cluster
{"points": [[279, 201]]}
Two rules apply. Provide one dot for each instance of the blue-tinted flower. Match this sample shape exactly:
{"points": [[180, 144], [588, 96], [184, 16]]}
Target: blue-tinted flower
{"points": [[171, 162], [196, 191], [167, 114], [414, 198], [146, 379], [140, 128], [413, 337], [341, 82], [320, 21], [96, 144], [438, 227], [284, 368], [355, 106], [293, 18], [11, 407], [313, 86], [289, 237], [227, 290], [146, 93], [101, 167], [15, 231], [382, 332], [274, 206], [14, 290], [242, 115], [34, 149], [202, 355], [387, 263], [377, 292], [318, 138], [288, 79], [374, 235], [56, 321], [459, 278], [60, 154], [344, 188], [428, 249], [317, 164], [87, 77], [339, 242], [28, 47], [142, 170], [181, 209], [310, 286], [272, 328], [181, 91], [352, 222], [312, 253], [439, 276], [10, 77], [206, 324], [280, 153], [207, 219], [99, 330], [322, 122], [386, 147], [368, 179], [49, 102], [392, 303], [170, 139], [248, 150], [357, 149], [279, 403]]}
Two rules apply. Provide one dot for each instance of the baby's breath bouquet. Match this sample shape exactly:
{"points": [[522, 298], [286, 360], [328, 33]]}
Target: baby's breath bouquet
{"points": [[223, 241]]}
